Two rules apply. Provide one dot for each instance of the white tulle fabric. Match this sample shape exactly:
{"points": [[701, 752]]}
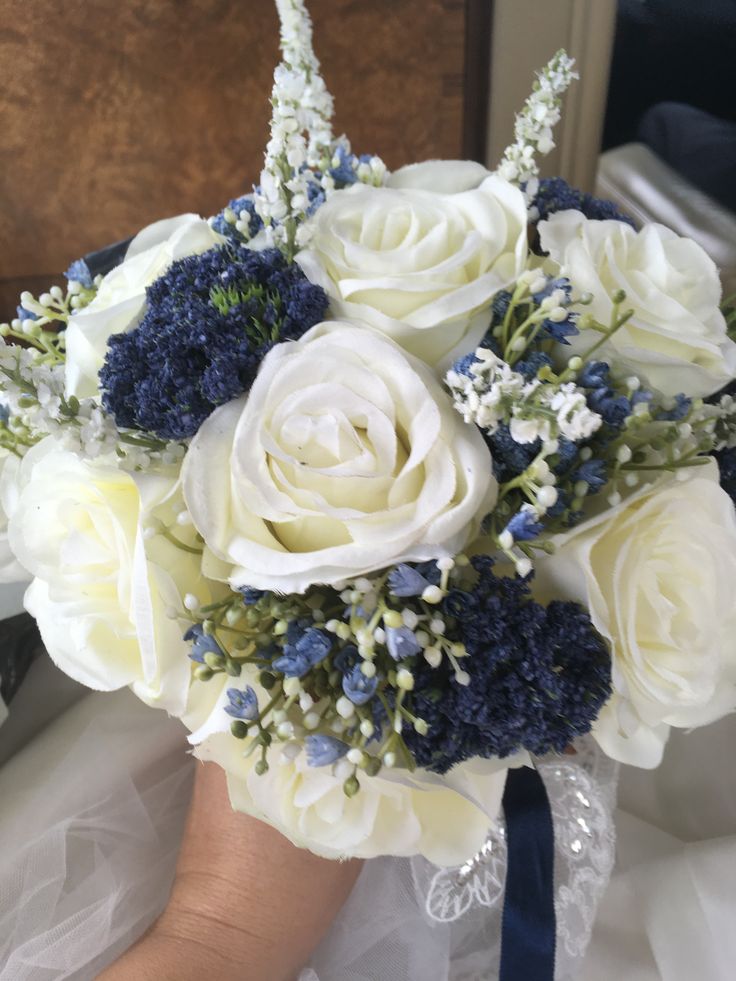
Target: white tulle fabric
{"points": [[92, 810]]}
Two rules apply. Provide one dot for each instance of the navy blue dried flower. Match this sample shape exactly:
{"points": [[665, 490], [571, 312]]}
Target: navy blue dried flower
{"points": [[555, 194], [210, 321], [538, 676], [509, 457], [727, 467], [613, 408], [531, 365]]}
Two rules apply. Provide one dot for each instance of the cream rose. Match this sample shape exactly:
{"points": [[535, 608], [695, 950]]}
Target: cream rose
{"points": [[102, 589], [446, 819], [345, 457], [10, 465], [439, 176], [657, 575], [676, 339], [420, 261], [120, 300]]}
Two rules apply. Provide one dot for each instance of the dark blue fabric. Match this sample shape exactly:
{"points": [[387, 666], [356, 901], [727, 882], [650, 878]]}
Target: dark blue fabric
{"points": [[528, 925], [102, 261]]}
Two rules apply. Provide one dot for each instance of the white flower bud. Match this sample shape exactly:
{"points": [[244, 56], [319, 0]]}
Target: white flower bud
{"points": [[345, 708], [433, 656], [547, 496]]}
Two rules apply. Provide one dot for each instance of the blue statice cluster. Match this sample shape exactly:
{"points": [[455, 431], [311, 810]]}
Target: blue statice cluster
{"points": [[538, 676], [209, 322], [555, 194]]}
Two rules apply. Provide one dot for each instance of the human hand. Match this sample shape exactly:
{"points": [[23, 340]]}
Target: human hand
{"points": [[246, 904]]}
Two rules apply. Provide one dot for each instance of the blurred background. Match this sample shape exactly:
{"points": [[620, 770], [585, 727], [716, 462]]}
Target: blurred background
{"points": [[117, 114]]}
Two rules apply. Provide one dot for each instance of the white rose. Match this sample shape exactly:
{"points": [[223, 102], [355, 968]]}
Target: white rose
{"points": [[420, 264], [446, 818], [345, 457], [439, 176], [120, 301], [10, 569], [676, 339], [657, 574], [102, 590]]}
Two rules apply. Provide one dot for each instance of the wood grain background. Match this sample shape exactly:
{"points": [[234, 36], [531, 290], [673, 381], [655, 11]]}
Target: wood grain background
{"points": [[118, 112]]}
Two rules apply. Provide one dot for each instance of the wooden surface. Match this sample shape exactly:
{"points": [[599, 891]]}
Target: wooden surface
{"points": [[116, 113]]}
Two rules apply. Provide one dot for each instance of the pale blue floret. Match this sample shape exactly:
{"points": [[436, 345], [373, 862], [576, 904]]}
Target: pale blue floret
{"points": [[312, 647], [323, 750], [406, 581], [243, 704], [401, 643], [523, 527], [358, 688], [80, 272]]}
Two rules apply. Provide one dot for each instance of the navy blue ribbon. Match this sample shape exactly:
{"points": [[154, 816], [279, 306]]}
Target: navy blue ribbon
{"points": [[528, 925]]}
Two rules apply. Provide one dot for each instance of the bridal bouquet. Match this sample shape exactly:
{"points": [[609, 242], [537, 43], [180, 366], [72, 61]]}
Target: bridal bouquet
{"points": [[384, 483]]}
